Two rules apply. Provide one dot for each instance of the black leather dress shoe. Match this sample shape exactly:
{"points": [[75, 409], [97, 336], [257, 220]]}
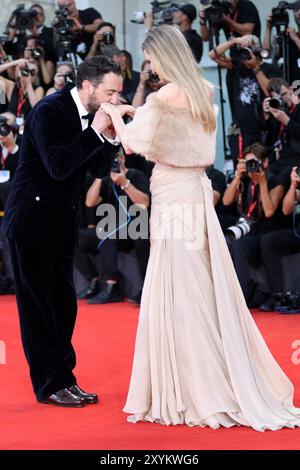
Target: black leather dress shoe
{"points": [[109, 293], [89, 398], [90, 291], [64, 398]]}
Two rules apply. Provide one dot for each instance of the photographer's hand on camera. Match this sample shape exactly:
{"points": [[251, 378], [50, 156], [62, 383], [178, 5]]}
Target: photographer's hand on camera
{"points": [[280, 116]]}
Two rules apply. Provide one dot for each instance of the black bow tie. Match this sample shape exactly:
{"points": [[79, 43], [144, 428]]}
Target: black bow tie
{"points": [[89, 117]]}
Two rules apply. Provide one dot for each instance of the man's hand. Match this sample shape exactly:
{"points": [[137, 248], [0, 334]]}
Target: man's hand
{"points": [[295, 179], [241, 168], [292, 33], [101, 121], [280, 115]]}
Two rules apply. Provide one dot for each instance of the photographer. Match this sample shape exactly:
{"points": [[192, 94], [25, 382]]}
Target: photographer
{"points": [[293, 51], [35, 51], [250, 78], [278, 244], [283, 123], [9, 156], [148, 84], [104, 40], [130, 76], [134, 185], [84, 25], [184, 16], [242, 18], [258, 197], [64, 74], [24, 93], [32, 25]]}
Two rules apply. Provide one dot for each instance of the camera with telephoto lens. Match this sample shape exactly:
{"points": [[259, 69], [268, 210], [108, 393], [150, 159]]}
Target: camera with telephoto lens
{"points": [[239, 230], [162, 13], [253, 166], [216, 11], [240, 54], [280, 16], [276, 102], [5, 128], [116, 166], [24, 18]]}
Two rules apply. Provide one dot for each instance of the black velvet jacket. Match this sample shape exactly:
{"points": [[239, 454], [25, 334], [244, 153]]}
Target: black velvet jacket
{"points": [[42, 208]]}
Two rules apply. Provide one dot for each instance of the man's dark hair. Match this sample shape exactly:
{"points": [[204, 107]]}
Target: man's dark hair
{"points": [[276, 83], [258, 150], [94, 69]]}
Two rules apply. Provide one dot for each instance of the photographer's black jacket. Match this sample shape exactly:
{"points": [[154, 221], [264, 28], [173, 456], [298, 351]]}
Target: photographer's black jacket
{"points": [[42, 207]]}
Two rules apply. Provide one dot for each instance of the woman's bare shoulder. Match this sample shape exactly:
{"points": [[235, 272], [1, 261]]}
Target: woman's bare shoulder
{"points": [[173, 95]]}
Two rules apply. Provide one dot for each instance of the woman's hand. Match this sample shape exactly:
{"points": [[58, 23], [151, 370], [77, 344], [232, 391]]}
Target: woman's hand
{"points": [[126, 109], [109, 109]]}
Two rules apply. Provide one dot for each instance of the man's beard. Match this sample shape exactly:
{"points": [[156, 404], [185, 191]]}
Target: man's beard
{"points": [[92, 104]]}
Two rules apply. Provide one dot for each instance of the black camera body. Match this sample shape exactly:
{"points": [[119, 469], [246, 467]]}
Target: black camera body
{"points": [[36, 53], [25, 71], [115, 168], [218, 8], [63, 27], [153, 77], [162, 13], [24, 18], [108, 38], [240, 54], [276, 102], [68, 77], [254, 165], [5, 129], [280, 16]]}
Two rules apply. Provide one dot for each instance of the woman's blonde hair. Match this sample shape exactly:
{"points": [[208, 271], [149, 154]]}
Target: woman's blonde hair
{"points": [[174, 62]]}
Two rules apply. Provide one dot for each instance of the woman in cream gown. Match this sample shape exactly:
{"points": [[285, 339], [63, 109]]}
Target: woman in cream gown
{"points": [[199, 357]]}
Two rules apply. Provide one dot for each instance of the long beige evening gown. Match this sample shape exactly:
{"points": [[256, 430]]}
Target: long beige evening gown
{"points": [[199, 358]]}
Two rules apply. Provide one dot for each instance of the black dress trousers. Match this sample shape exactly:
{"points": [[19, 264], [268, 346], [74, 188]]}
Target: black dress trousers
{"points": [[47, 310]]}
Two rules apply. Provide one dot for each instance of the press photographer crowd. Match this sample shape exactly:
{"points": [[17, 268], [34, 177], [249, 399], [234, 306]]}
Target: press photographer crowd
{"points": [[258, 205]]}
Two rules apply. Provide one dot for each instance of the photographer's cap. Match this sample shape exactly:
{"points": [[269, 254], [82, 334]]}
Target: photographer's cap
{"points": [[189, 10]]}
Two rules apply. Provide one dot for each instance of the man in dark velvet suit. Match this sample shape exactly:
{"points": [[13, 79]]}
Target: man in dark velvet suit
{"points": [[42, 221]]}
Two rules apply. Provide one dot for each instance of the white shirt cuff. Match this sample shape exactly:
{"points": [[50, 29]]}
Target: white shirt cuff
{"points": [[115, 141]]}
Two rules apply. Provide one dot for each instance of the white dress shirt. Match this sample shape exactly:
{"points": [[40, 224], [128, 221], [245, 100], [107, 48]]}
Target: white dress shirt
{"points": [[84, 122]]}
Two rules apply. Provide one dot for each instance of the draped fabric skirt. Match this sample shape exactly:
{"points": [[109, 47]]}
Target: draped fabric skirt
{"points": [[199, 358]]}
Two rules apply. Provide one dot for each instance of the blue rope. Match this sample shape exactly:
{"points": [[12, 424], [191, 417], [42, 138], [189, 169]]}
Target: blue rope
{"points": [[121, 226]]}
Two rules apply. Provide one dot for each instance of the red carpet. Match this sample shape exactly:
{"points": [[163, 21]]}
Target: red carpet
{"points": [[104, 340]]}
